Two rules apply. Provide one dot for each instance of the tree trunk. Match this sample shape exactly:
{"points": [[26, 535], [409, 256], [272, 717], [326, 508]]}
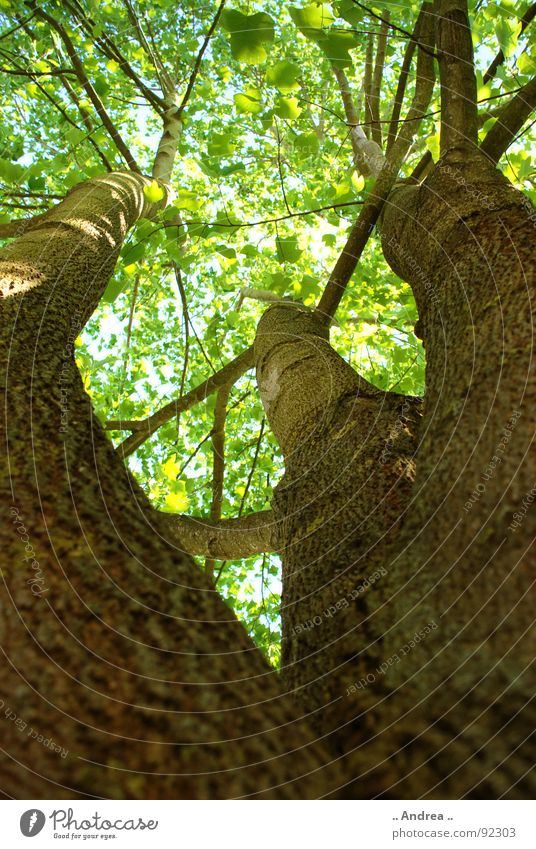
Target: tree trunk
{"points": [[125, 674], [407, 601]]}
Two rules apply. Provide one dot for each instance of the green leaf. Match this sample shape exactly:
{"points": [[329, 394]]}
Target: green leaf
{"points": [[153, 192], [249, 34], [307, 144], [220, 145], [348, 10], [287, 249], [188, 200], [284, 76], [310, 19], [249, 101], [113, 290], [507, 31], [287, 107]]}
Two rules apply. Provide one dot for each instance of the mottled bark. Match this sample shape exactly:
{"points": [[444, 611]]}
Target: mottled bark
{"points": [[408, 568], [349, 468], [465, 242], [509, 122], [226, 539], [115, 645]]}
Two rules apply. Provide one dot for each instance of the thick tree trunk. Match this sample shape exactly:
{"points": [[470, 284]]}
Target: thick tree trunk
{"points": [[117, 650], [420, 593]]}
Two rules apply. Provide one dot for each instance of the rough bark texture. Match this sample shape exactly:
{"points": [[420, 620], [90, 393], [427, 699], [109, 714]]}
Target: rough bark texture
{"points": [[226, 539], [465, 242], [115, 645], [349, 469], [424, 679]]}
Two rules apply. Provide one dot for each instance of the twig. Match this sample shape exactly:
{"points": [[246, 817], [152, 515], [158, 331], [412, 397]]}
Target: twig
{"points": [[529, 15], [197, 64], [143, 429]]}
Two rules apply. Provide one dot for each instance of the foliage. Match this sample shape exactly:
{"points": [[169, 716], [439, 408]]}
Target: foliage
{"points": [[265, 142]]}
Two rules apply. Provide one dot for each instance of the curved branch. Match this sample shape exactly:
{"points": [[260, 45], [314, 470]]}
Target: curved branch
{"points": [[227, 539], [197, 65], [510, 122]]}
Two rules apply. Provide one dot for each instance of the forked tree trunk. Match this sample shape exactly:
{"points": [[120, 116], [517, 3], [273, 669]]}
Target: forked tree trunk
{"points": [[117, 651], [408, 602]]}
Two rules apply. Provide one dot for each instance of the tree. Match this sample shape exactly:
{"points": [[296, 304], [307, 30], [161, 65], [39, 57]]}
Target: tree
{"points": [[402, 520]]}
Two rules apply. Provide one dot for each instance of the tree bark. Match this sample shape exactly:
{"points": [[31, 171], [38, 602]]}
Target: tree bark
{"points": [[117, 650], [408, 607]]}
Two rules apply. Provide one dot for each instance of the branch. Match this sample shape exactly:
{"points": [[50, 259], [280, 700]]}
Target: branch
{"points": [[367, 83], [510, 122], [459, 115], [87, 86], [169, 142], [422, 45], [368, 156], [402, 82], [499, 59], [375, 127], [109, 49], [166, 84], [228, 539], [143, 429], [15, 228], [87, 122], [218, 462], [65, 115], [197, 64], [360, 232]]}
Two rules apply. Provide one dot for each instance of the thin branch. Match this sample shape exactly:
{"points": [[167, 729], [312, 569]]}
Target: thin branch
{"points": [[65, 115], [360, 232], [377, 77], [218, 462], [253, 466], [143, 429], [510, 122], [529, 15], [280, 169], [402, 82], [129, 331], [87, 86], [367, 84], [422, 44], [109, 49], [197, 64], [186, 320], [52, 73], [368, 156], [164, 79]]}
